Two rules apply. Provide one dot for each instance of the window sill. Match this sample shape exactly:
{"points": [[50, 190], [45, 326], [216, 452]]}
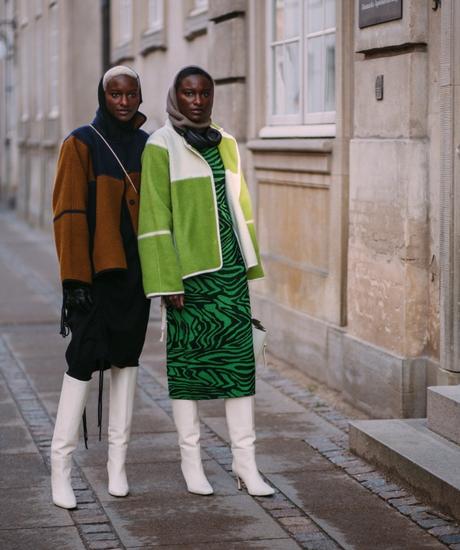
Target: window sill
{"points": [[123, 52], [152, 41], [196, 25], [298, 131], [307, 145]]}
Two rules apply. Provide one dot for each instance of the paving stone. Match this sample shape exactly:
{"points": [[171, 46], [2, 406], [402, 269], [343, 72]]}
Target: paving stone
{"points": [[154, 520], [334, 502], [446, 529], [286, 513], [17, 514], [288, 454], [16, 439], [266, 544], [392, 495], [22, 470], [450, 539], [164, 478], [96, 528], [88, 516], [51, 538], [101, 545], [405, 501]]}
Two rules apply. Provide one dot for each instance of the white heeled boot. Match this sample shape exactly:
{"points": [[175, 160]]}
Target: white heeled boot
{"points": [[122, 389], [240, 421], [185, 413], [74, 394]]}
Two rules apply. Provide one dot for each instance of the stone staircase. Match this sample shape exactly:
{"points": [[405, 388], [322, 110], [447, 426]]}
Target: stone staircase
{"points": [[423, 453]]}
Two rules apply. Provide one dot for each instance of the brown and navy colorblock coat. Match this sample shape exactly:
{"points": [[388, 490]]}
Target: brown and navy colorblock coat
{"points": [[90, 193]]}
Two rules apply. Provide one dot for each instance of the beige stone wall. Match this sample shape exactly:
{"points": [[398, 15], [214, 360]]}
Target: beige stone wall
{"points": [[40, 132], [390, 292]]}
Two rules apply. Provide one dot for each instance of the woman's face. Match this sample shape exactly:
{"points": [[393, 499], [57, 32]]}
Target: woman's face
{"points": [[122, 97], [194, 97]]}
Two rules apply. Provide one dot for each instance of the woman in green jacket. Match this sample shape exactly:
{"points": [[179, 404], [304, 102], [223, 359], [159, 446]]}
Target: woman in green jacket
{"points": [[198, 249]]}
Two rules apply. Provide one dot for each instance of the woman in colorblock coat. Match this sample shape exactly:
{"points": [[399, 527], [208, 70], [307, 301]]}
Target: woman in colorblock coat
{"points": [[198, 250], [96, 206]]}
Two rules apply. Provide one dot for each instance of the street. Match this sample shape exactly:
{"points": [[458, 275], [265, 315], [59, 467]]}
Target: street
{"points": [[325, 497]]}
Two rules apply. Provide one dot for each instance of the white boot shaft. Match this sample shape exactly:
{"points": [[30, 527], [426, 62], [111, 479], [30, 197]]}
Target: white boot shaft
{"points": [[74, 394], [122, 391], [185, 413], [239, 412]]}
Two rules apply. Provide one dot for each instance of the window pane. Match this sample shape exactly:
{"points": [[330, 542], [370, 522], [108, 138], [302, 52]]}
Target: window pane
{"points": [[329, 14], [315, 87], [330, 73], [292, 18], [314, 15], [292, 78], [155, 14], [278, 80], [53, 48], [278, 20]]}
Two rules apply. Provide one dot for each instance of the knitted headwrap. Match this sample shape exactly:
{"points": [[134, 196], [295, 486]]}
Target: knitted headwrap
{"points": [[172, 108], [119, 70]]}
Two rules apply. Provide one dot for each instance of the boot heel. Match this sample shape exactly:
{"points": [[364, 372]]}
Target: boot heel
{"points": [[238, 482]]}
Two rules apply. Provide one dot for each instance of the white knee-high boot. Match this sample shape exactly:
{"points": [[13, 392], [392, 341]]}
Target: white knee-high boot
{"points": [[74, 394], [122, 389], [240, 421], [185, 413]]}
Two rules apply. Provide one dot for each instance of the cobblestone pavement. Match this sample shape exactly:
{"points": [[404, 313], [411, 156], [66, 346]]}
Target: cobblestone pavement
{"points": [[326, 497]]}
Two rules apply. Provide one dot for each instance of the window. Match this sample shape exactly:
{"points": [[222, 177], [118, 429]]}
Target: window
{"points": [[25, 81], [301, 65], [53, 49], [38, 8], [23, 12], [125, 32], [199, 6], [39, 66], [155, 15]]}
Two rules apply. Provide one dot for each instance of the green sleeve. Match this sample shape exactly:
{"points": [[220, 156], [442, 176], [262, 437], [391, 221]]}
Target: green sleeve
{"points": [[161, 272], [255, 272]]}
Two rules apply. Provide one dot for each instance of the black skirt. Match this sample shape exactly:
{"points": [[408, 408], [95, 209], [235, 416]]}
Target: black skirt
{"points": [[113, 332]]}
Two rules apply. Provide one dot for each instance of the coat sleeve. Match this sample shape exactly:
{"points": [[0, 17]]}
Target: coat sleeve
{"points": [[161, 271], [255, 272], [69, 209]]}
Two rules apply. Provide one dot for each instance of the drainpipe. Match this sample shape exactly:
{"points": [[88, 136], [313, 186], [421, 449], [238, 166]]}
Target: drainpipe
{"points": [[105, 20]]}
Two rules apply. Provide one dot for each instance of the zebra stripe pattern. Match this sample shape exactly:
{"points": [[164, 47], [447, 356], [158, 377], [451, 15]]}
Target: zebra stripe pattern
{"points": [[209, 348]]}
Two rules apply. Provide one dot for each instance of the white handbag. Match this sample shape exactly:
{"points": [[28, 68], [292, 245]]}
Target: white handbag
{"points": [[259, 335]]}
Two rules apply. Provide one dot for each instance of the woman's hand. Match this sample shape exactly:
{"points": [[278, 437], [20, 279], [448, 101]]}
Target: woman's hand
{"points": [[175, 300]]}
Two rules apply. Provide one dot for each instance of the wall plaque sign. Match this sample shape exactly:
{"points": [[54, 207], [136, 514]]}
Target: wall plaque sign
{"points": [[374, 12]]}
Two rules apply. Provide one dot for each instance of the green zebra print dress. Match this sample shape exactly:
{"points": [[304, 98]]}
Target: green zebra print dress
{"points": [[209, 345]]}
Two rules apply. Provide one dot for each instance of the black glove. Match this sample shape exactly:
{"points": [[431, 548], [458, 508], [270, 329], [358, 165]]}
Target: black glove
{"points": [[78, 298]]}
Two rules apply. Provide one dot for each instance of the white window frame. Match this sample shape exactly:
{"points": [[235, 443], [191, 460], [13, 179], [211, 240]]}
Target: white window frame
{"points": [[155, 24], [303, 123], [53, 59], [199, 6], [38, 8], [39, 66], [23, 13], [25, 76], [125, 22]]}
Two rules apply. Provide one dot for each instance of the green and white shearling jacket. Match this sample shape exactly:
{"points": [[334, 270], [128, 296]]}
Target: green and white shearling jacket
{"points": [[178, 217]]}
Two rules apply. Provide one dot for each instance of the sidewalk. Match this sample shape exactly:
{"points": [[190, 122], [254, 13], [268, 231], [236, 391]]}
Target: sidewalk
{"points": [[326, 499]]}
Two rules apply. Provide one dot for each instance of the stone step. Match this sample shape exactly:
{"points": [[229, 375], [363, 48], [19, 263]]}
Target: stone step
{"points": [[410, 452], [443, 410]]}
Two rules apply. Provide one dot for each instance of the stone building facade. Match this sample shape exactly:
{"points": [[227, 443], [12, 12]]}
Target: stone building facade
{"points": [[57, 62], [348, 132]]}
